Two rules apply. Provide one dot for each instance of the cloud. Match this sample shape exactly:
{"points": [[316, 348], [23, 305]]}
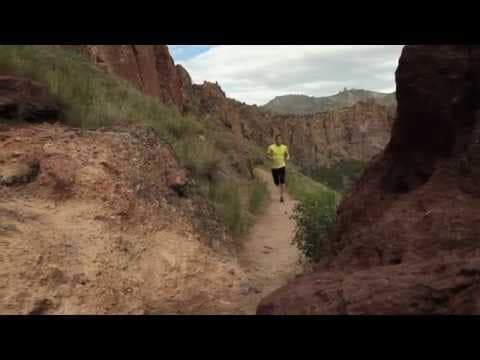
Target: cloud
{"points": [[256, 74]]}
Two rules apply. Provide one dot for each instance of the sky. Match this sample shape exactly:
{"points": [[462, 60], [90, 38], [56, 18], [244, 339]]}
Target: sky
{"points": [[255, 74]]}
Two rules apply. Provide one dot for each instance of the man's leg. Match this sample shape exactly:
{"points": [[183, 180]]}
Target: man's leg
{"points": [[282, 182], [276, 179]]}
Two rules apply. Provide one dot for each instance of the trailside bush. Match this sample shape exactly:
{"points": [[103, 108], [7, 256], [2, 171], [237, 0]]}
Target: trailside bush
{"points": [[303, 187], [226, 198], [314, 216], [258, 196], [199, 156]]}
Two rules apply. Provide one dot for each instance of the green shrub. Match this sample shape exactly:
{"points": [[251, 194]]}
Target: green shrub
{"points": [[314, 213], [314, 217], [235, 203], [302, 187], [258, 196], [339, 176], [198, 155], [227, 199], [233, 213]]}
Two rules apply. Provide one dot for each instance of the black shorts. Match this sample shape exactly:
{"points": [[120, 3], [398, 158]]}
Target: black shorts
{"points": [[278, 176]]}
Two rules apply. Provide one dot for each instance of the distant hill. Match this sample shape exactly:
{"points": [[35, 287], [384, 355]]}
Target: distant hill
{"points": [[302, 104]]}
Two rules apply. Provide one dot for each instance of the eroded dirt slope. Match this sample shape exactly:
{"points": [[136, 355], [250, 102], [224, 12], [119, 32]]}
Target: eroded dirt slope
{"points": [[92, 223]]}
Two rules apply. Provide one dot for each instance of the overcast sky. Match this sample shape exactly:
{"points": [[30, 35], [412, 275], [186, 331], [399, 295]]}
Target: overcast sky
{"points": [[255, 74]]}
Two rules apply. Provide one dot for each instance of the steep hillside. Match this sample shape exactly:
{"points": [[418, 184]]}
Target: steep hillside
{"points": [[302, 104], [407, 238], [91, 223]]}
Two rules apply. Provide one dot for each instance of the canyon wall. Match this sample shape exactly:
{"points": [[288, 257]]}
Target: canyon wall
{"points": [[357, 132]]}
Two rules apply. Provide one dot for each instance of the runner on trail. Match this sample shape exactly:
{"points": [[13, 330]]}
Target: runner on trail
{"points": [[278, 153]]}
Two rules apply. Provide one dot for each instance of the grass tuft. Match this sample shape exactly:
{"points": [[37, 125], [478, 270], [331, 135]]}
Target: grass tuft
{"points": [[258, 197]]}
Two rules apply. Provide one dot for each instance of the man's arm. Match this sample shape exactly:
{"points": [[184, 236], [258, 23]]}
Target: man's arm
{"points": [[269, 153], [287, 154]]}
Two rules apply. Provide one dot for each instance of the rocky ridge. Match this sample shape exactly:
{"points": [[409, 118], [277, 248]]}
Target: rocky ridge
{"points": [[302, 104]]}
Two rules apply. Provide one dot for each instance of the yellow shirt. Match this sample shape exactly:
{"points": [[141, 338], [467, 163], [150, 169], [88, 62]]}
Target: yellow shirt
{"points": [[278, 154]]}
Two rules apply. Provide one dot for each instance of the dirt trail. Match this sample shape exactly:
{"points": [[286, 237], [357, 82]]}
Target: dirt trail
{"points": [[269, 257]]}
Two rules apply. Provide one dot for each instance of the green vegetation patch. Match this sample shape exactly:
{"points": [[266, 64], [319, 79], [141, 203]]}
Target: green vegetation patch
{"points": [[314, 213], [314, 217], [91, 97], [340, 176], [302, 187]]}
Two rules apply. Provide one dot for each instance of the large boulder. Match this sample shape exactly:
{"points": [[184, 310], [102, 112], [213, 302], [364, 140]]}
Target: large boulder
{"points": [[448, 286], [24, 99], [407, 239]]}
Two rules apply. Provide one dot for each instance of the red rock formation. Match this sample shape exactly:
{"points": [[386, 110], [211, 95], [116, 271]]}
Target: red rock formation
{"points": [[213, 101], [407, 238], [186, 86], [150, 68], [168, 76]]}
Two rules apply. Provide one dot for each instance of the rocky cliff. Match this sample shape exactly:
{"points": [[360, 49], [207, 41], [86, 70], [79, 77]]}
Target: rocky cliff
{"points": [[406, 240], [358, 132]]}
